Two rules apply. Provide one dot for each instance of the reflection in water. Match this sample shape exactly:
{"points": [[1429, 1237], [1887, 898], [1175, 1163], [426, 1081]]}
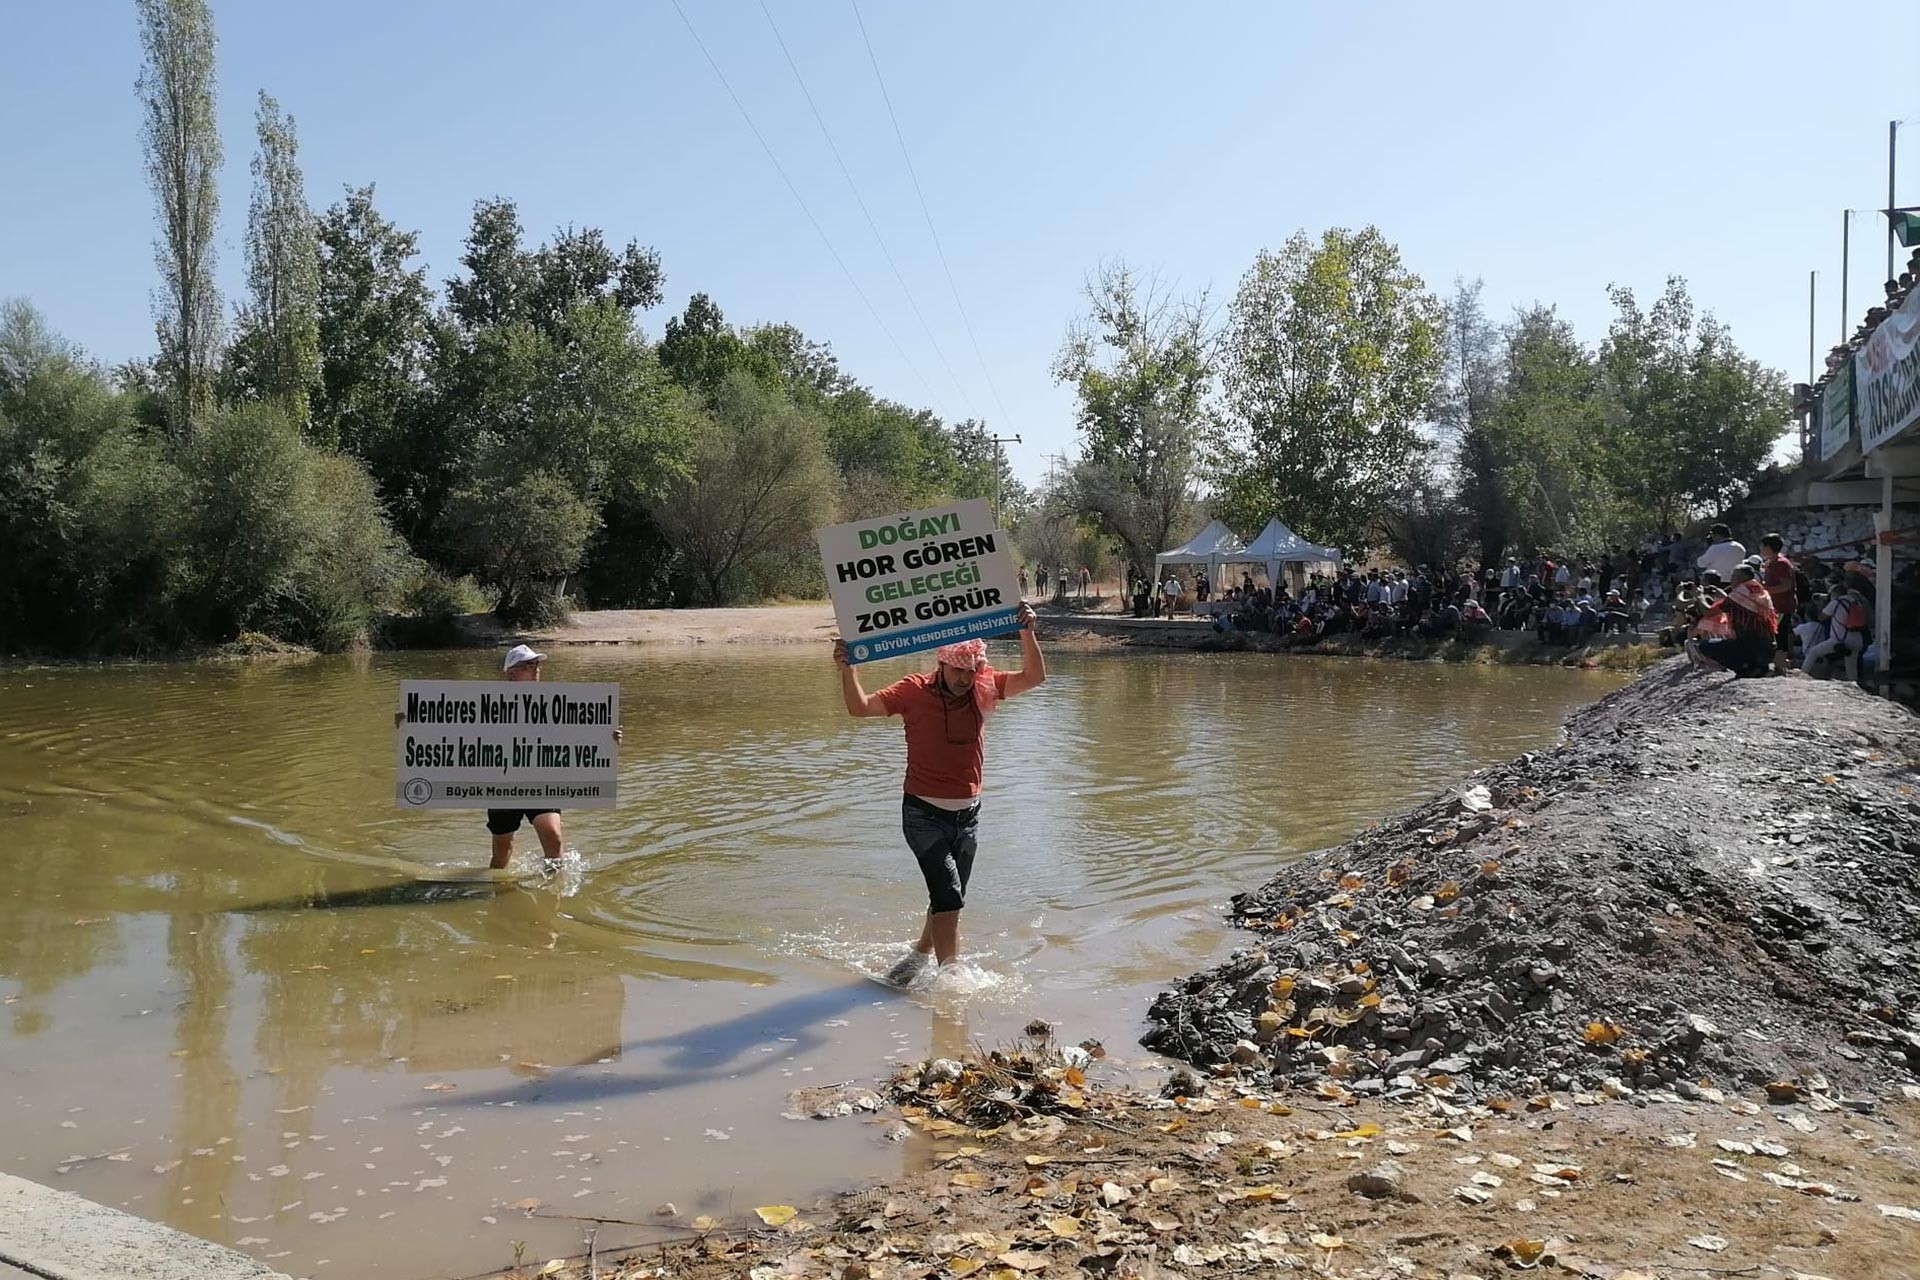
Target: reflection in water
{"points": [[297, 1023]]}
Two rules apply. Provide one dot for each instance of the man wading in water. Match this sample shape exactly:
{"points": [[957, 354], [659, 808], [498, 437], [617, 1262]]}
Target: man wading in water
{"points": [[946, 723], [522, 663]]}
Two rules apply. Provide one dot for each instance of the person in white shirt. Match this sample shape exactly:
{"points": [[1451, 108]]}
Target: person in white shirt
{"points": [[1170, 592], [1562, 576], [1397, 589], [1510, 576], [1724, 556]]}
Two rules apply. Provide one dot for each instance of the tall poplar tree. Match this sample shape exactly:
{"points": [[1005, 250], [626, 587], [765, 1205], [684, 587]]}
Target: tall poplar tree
{"points": [[276, 354], [183, 155]]}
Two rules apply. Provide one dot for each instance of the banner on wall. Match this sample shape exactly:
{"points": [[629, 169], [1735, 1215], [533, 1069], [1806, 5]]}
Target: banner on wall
{"points": [[1887, 376], [1836, 411]]}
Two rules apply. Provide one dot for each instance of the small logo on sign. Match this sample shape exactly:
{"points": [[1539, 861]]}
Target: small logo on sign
{"points": [[860, 651], [417, 791]]}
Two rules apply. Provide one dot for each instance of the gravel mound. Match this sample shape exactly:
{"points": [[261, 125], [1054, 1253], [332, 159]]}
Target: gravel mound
{"points": [[1709, 883]]}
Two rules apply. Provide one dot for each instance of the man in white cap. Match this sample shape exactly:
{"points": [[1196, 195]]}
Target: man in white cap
{"points": [[945, 713], [523, 663]]}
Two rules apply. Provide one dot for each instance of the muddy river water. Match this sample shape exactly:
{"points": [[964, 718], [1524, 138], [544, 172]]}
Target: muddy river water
{"points": [[232, 1004]]}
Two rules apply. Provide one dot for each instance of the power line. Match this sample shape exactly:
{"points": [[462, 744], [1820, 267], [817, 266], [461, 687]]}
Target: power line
{"points": [[857, 199], [801, 200], [925, 212]]}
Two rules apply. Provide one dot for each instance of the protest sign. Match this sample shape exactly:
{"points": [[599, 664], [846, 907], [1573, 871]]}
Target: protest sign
{"points": [[506, 744], [910, 582]]}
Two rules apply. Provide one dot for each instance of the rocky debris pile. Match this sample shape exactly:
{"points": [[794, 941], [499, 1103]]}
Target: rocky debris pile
{"points": [[1709, 884]]}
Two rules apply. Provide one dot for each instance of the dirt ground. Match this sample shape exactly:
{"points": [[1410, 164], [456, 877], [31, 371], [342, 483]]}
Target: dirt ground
{"points": [[773, 624], [1090, 1180]]}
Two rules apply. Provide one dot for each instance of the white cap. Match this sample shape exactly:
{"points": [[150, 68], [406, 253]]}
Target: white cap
{"points": [[518, 654]]}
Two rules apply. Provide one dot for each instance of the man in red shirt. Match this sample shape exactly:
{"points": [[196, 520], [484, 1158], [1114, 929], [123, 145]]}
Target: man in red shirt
{"points": [[945, 713], [1781, 580]]}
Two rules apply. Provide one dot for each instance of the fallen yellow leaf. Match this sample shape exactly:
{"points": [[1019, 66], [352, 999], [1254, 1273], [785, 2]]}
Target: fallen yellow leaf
{"points": [[776, 1215], [1037, 1161], [1368, 1130], [1524, 1252], [1024, 1260], [1064, 1227], [964, 1266], [705, 1222], [971, 1181], [1327, 1242]]}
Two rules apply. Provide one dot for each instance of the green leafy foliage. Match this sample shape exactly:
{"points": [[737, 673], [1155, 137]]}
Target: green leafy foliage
{"points": [[1333, 358], [519, 537], [127, 541], [1142, 364], [743, 515]]}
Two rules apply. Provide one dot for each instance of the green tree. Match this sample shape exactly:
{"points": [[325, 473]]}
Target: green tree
{"points": [[88, 502], [506, 284], [275, 354], [1689, 418], [1548, 470], [1141, 364], [279, 536], [701, 350], [520, 538], [1472, 394], [889, 457], [182, 143], [743, 516], [374, 317], [1334, 352]]}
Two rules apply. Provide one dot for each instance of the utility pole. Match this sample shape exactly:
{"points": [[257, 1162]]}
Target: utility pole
{"points": [[1893, 134], [999, 465], [1812, 276], [1846, 246]]}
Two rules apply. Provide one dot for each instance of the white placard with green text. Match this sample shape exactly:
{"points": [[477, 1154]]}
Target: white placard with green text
{"points": [[506, 744], [918, 580]]}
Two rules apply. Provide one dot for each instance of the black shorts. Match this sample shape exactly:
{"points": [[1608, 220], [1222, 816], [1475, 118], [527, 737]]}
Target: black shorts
{"points": [[1744, 655], [943, 843], [504, 822]]}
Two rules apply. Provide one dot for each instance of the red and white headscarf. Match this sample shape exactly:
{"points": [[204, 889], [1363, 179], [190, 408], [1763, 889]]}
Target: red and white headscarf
{"points": [[965, 655], [971, 655]]}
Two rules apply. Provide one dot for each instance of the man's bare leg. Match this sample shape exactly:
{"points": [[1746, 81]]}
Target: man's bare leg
{"points": [[942, 936], [502, 851], [553, 836]]}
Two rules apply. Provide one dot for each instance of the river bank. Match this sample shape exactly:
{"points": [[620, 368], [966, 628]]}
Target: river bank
{"points": [[806, 622], [1663, 973]]}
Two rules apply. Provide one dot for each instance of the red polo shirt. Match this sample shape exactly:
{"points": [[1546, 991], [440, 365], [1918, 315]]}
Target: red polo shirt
{"points": [[1777, 577], [945, 738]]}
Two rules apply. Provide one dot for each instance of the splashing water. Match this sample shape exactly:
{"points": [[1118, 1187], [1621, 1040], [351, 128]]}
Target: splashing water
{"points": [[978, 977], [563, 878]]}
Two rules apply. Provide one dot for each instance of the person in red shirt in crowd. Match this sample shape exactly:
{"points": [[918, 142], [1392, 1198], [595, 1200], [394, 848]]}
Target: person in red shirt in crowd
{"points": [[945, 713], [1781, 579]]}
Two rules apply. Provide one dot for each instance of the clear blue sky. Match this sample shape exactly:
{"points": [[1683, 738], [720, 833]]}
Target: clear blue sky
{"points": [[1548, 148]]}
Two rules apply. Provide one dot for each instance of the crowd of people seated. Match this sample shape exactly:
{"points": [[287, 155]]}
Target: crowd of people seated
{"points": [[1748, 612]]}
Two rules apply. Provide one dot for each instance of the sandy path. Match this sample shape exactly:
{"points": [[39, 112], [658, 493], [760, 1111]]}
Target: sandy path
{"points": [[791, 624]]}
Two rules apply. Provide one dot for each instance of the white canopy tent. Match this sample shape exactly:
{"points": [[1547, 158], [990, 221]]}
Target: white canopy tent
{"points": [[1277, 547], [1212, 547]]}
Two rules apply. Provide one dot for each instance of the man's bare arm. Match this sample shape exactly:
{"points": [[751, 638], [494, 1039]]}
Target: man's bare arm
{"points": [[859, 701], [1033, 664]]}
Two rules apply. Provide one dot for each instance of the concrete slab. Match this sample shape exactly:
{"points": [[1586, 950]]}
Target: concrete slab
{"points": [[60, 1236]]}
